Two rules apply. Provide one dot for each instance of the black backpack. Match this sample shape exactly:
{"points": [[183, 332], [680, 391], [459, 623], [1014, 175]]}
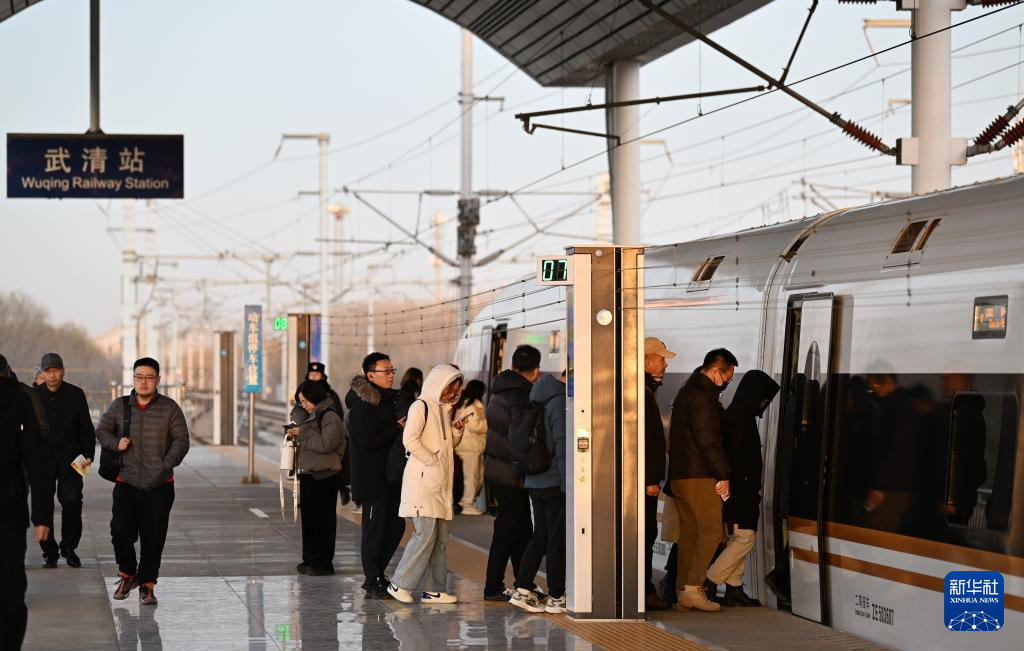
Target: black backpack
{"points": [[110, 462], [398, 455], [527, 440]]}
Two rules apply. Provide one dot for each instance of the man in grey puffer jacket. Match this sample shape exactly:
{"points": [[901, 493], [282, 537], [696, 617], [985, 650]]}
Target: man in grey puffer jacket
{"points": [[155, 443]]}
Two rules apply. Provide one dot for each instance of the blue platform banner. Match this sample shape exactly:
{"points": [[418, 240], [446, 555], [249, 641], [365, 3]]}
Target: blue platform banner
{"points": [[95, 166], [973, 601], [252, 371]]}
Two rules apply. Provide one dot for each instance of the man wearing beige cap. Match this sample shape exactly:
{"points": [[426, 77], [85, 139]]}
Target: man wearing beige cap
{"points": [[655, 365]]}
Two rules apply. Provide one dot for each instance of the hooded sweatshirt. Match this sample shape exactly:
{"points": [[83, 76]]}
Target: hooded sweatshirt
{"points": [[551, 393], [743, 447], [430, 440]]}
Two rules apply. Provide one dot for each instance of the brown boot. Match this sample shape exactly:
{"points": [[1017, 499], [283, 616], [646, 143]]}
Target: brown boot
{"points": [[693, 596]]}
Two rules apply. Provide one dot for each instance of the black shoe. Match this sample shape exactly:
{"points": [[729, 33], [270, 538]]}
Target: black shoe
{"points": [[667, 591], [313, 570], [72, 558], [654, 602], [711, 590], [49, 562], [734, 596], [302, 568], [377, 592], [504, 595], [346, 495]]}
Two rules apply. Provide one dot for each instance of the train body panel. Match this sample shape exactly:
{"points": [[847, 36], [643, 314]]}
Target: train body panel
{"points": [[893, 331]]}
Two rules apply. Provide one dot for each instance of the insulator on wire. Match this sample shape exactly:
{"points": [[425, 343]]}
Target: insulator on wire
{"points": [[992, 131], [993, 3], [1013, 135], [865, 137], [858, 2]]}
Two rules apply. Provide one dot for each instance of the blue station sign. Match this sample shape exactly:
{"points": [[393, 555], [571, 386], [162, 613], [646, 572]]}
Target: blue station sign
{"points": [[252, 370], [95, 166]]}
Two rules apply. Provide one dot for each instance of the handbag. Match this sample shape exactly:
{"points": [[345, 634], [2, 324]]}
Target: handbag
{"points": [[110, 462]]}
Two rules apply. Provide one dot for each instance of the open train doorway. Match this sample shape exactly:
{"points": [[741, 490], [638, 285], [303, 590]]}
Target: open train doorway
{"points": [[495, 360], [801, 573]]}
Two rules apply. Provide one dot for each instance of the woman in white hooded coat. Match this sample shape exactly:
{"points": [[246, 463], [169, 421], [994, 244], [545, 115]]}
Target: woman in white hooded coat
{"points": [[430, 438]]}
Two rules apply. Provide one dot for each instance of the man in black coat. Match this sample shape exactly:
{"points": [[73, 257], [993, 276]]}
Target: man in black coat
{"points": [[373, 428], [71, 434], [698, 470], [21, 452], [655, 365], [743, 447], [513, 528]]}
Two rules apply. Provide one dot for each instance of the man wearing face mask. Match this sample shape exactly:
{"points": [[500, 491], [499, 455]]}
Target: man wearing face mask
{"points": [[698, 470]]}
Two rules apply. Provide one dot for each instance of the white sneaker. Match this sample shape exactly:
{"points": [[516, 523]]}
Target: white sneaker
{"points": [[527, 600], [555, 606], [471, 510], [400, 594], [438, 598]]}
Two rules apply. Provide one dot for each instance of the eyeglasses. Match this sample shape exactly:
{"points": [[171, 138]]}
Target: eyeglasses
{"points": [[145, 378], [386, 371]]}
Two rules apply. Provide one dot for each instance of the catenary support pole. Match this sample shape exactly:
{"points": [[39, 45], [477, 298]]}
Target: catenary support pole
{"points": [[129, 260], [623, 84], [324, 140], [931, 151], [469, 205]]}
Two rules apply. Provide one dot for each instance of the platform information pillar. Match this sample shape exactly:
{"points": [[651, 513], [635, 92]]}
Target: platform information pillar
{"points": [[303, 346], [224, 389], [604, 469]]}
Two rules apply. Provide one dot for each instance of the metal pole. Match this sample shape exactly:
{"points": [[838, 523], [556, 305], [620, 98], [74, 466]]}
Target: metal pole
{"points": [[251, 476], [624, 122], [931, 151], [466, 182], [129, 258], [324, 139], [268, 319], [94, 67]]}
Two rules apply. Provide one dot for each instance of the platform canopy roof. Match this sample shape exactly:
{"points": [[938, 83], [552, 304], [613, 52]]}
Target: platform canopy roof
{"points": [[567, 42], [570, 42]]}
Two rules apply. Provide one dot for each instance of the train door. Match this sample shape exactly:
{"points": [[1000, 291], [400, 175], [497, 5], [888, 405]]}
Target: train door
{"points": [[495, 359], [803, 454]]}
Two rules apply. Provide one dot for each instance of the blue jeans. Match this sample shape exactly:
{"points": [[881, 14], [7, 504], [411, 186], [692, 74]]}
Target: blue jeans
{"points": [[424, 563]]}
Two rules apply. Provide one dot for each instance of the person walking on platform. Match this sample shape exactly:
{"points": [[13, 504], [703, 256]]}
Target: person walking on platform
{"points": [[322, 443], [22, 453], [317, 372], [547, 494], [698, 470], [510, 393], [71, 434], [655, 365], [743, 448], [151, 439], [430, 439], [373, 428], [474, 439]]}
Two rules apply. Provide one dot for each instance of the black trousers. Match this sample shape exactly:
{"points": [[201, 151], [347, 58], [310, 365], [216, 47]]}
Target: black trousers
{"points": [[139, 515], [650, 537], [68, 484], [548, 540], [382, 530], [318, 501], [13, 583], [512, 533]]}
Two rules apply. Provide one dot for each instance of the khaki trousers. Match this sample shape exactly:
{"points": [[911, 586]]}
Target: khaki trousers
{"points": [[700, 519], [728, 567]]}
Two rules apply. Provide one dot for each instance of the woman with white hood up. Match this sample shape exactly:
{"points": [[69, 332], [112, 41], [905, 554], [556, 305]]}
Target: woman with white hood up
{"points": [[430, 438]]}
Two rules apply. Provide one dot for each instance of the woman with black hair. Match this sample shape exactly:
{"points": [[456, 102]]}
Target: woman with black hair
{"points": [[321, 437], [408, 390], [471, 450]]}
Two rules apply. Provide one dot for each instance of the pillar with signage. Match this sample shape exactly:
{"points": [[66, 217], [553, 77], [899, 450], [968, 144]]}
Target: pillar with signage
{"points": [[224, 398], [604, 469], [303, 348], [252, 376]]}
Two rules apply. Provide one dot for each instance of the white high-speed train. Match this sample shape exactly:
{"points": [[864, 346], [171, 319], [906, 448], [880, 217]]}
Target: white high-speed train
{"points": [[894, 453]]}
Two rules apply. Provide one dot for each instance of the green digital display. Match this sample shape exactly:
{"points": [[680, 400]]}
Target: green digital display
{"points": [[554, 270], [281, 323]]}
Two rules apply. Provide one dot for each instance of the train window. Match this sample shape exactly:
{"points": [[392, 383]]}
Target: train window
{"points": [[923, 240], [990, 317], [905, 240], [980, 460], [707, 269]]}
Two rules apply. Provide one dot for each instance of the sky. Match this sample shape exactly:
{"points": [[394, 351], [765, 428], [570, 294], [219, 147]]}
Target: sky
{"points": [[382, 78]]}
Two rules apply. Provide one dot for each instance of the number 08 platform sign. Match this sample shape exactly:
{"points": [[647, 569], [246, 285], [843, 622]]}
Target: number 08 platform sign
{"points": [[95, 166]]}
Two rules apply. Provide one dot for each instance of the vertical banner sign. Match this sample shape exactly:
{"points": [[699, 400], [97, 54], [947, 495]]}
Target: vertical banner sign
{"points": [[252, 372], [315, 354]]}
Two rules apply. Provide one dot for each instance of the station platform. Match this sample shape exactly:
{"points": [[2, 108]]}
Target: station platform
{"points": [[228, 582]]}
